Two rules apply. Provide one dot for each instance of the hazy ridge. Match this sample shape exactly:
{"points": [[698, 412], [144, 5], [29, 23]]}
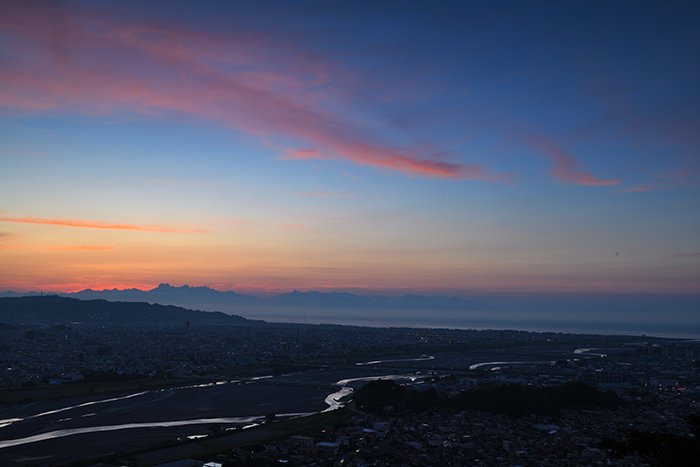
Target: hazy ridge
{"points": [[52, 309]]}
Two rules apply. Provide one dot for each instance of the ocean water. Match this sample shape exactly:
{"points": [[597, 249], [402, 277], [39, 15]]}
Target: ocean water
{"points": [[661, 323]]}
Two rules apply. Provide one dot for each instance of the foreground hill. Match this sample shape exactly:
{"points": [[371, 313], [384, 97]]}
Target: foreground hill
{"points": [[53, 309]]}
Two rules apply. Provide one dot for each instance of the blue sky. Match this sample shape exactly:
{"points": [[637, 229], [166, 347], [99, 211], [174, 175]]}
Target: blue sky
{"points": [[508, 146]]}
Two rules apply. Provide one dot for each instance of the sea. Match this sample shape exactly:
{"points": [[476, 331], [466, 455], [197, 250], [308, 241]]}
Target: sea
{"points": [[684, 324]]}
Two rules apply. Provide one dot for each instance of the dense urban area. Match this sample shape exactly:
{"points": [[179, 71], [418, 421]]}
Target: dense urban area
{"points": [[409, 397]]}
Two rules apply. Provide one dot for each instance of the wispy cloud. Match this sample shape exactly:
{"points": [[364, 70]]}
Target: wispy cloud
{"points": [[85, 62], [166, 182], [643, 188], [9, 241], [86, 224], [295, 227], [676, 174], [301, 154], [20, 152], [241, 225], [323, 194], [81, 248], [694, 254], [677, 179], [567, 169], [662, 181], [181, 182]]}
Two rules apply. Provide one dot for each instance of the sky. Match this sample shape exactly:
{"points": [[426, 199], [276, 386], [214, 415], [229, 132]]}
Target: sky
{"points": [[457, 147]]}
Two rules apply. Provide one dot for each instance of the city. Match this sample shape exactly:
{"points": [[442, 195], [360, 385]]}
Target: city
{"points": [[199, 378], [357, 233]]}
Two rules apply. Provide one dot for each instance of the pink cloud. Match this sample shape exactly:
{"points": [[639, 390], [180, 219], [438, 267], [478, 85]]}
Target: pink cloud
{"points": [[566, 169], [663, 181], [676, 174], [84, 62], [643, 188], [96, 225], [301, 154]]}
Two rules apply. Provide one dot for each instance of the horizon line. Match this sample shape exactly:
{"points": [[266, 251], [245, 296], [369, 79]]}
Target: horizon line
{"points": [[397, 292]]}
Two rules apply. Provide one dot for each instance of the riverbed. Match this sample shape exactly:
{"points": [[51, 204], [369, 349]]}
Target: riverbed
{"points": [[41, 432]]}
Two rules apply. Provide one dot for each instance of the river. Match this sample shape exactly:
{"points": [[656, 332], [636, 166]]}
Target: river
{"points": [[242, 403], [114, 408]]}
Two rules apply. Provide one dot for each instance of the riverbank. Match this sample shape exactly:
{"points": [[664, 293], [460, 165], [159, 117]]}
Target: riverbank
{"points": [[210, 446], [99, 427], [79, 389]]}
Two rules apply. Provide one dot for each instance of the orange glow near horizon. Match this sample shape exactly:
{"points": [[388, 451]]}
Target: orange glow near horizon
{"points": [[218, 146], [84, 269], [255, 257], [269, 258], [97, 225]]}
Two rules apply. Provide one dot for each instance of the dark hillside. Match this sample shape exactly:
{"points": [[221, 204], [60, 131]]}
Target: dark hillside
{"points": [[53, 309]]}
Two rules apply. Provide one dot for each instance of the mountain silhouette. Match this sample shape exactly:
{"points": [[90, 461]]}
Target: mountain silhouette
{"points": [[165, 294], [208, 299], [348, 300], [52, 309]]}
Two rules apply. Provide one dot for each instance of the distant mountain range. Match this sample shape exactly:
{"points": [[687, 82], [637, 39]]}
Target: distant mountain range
{"points": [[200, 298], [348, 300], [52, 309], [205, 298], [652, 314]]}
